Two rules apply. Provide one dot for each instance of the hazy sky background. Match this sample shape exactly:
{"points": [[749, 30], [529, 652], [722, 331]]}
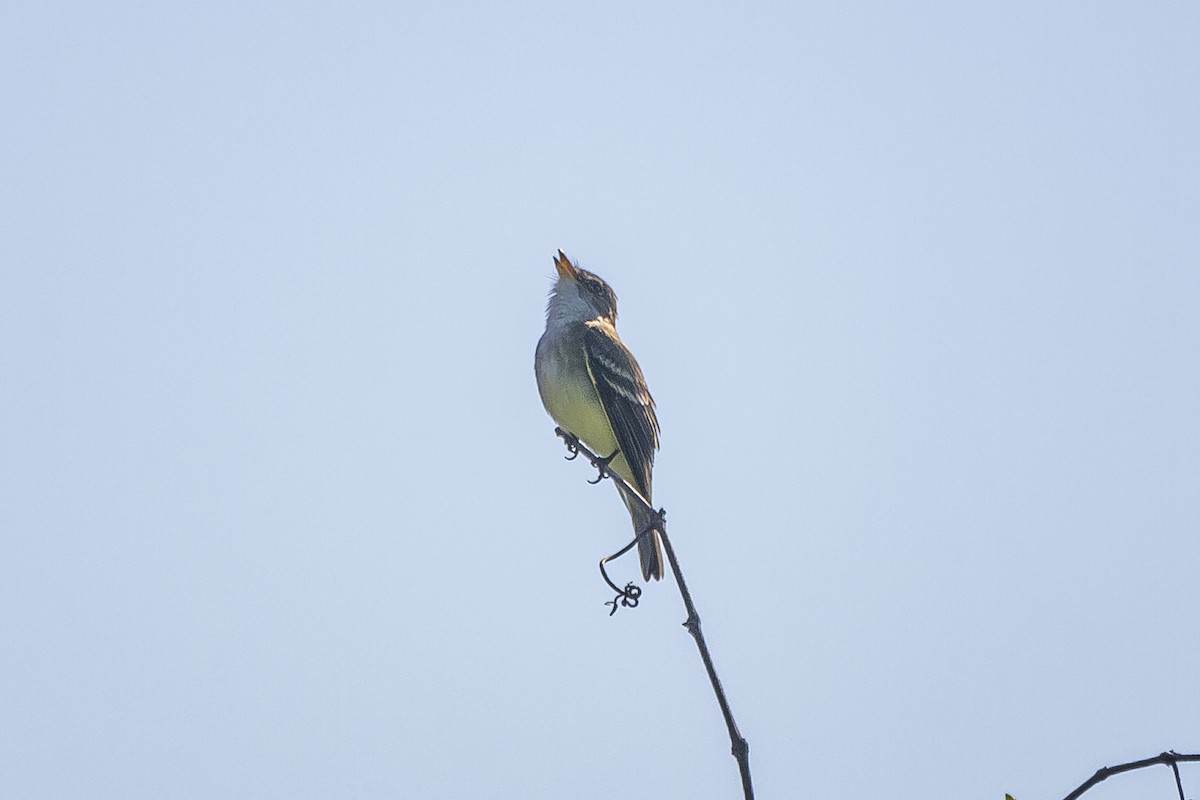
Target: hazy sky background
{"points": [[916, 287]]}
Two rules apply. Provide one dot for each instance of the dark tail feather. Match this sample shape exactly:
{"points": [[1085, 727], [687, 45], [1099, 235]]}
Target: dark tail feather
{"points": [[650, 551], [651, 554]]}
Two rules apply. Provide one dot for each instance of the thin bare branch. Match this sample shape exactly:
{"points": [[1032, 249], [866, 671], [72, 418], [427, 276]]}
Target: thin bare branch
{"points": [[1169, 758], [738, 744]]}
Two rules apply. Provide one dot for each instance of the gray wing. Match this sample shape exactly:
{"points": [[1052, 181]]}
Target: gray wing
{"points": [[626, 399]]}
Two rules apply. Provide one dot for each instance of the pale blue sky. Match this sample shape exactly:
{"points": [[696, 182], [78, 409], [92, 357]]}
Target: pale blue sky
{"points": [[915, 286]]}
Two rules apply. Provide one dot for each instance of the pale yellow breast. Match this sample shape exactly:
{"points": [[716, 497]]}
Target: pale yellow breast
{"points": [[570, 398], [575, 406]]}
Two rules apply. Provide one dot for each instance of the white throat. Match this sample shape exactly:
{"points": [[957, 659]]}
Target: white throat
{"points": [[568, 305]]}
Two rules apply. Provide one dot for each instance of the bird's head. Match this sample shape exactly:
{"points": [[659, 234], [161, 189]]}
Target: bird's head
{"points": [[581, 293]]}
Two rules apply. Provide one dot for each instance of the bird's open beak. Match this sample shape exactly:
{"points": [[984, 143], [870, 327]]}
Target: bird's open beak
{"points": [[565, 270]]}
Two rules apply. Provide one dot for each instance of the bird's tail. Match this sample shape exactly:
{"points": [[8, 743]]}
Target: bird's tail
{"points": [[650, 551]]}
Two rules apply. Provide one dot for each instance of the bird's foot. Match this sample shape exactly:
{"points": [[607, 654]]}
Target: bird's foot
{"points": [[571, 441], [602, 465]]}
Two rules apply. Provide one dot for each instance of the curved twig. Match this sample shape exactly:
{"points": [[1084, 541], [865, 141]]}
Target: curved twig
{"points": [[1169, 758], [627, 597], [739, 746]]}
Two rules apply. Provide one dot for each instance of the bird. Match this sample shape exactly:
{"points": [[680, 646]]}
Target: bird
{"points": [[592, 386]]}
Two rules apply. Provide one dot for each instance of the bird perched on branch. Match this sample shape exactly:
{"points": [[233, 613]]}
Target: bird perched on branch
{"points": [[593, 388]]}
